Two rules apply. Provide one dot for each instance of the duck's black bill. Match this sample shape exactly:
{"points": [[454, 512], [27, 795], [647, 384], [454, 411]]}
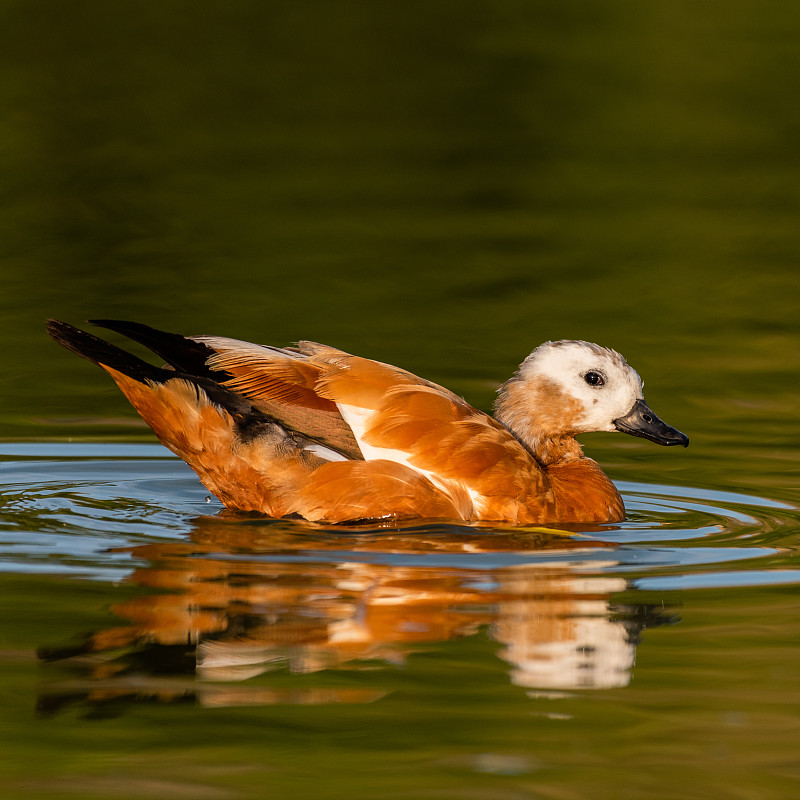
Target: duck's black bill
{"points": [[641, 421]]}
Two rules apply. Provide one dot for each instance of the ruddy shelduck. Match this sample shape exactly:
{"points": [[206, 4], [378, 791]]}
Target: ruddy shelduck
{"points": [[315, 433]]}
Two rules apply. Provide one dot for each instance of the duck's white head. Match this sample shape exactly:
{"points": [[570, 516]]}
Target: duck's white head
{"points": [[568, 387]]}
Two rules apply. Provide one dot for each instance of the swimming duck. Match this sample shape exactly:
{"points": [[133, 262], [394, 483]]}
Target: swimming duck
{"points": [[313, 432]]}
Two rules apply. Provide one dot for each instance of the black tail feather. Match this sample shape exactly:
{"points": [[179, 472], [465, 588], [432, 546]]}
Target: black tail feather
{"points": [[188, 359], [102, 353], [184, 354]]}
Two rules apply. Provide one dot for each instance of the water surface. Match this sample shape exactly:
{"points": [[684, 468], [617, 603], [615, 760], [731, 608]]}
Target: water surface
{"points": [[474, 650]]}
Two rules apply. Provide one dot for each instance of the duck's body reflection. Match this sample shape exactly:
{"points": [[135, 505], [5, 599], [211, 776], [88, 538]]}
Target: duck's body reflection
{"points": [[243, 598]]}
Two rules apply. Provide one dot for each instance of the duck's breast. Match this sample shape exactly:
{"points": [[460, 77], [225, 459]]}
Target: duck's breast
{"points": [[584, 493]]}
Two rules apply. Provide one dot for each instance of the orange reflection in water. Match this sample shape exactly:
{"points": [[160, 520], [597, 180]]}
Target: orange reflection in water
{"points": [[243, 598]]}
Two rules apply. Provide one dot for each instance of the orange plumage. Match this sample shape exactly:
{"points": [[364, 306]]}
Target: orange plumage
{"points": [[314, 432]]}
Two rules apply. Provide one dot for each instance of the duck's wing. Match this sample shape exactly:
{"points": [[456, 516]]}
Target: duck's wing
{"points": [[398, 416], [393, 414], [277, 381]]}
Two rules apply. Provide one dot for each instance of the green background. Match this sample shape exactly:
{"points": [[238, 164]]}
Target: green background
{"points": [[442, 186]]}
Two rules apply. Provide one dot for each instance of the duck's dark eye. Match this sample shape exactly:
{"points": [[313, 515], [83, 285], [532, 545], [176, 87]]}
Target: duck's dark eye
{"points": [[594, 379]]}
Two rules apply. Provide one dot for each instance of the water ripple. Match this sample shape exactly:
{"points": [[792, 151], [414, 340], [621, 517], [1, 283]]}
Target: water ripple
{"points": [[80, 507], [233, 597]]}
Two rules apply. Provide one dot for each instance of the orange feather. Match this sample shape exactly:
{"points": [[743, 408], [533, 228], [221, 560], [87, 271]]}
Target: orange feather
{"points": [[315, 432]]}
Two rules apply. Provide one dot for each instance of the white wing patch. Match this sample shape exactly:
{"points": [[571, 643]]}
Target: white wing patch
{"points": [[358, 419], [325, 452]]}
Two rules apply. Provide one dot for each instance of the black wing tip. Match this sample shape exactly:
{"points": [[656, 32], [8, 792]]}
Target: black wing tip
{"points": [[186, 356], [55, 326], [101, 352], [182, 352], [76, 340]]}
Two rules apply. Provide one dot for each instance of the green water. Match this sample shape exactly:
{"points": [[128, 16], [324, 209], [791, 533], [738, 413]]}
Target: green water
{"points": [[441, 186]]}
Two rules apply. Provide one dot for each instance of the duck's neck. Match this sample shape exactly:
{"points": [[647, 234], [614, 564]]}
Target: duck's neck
{"points": [[543, 434]]}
